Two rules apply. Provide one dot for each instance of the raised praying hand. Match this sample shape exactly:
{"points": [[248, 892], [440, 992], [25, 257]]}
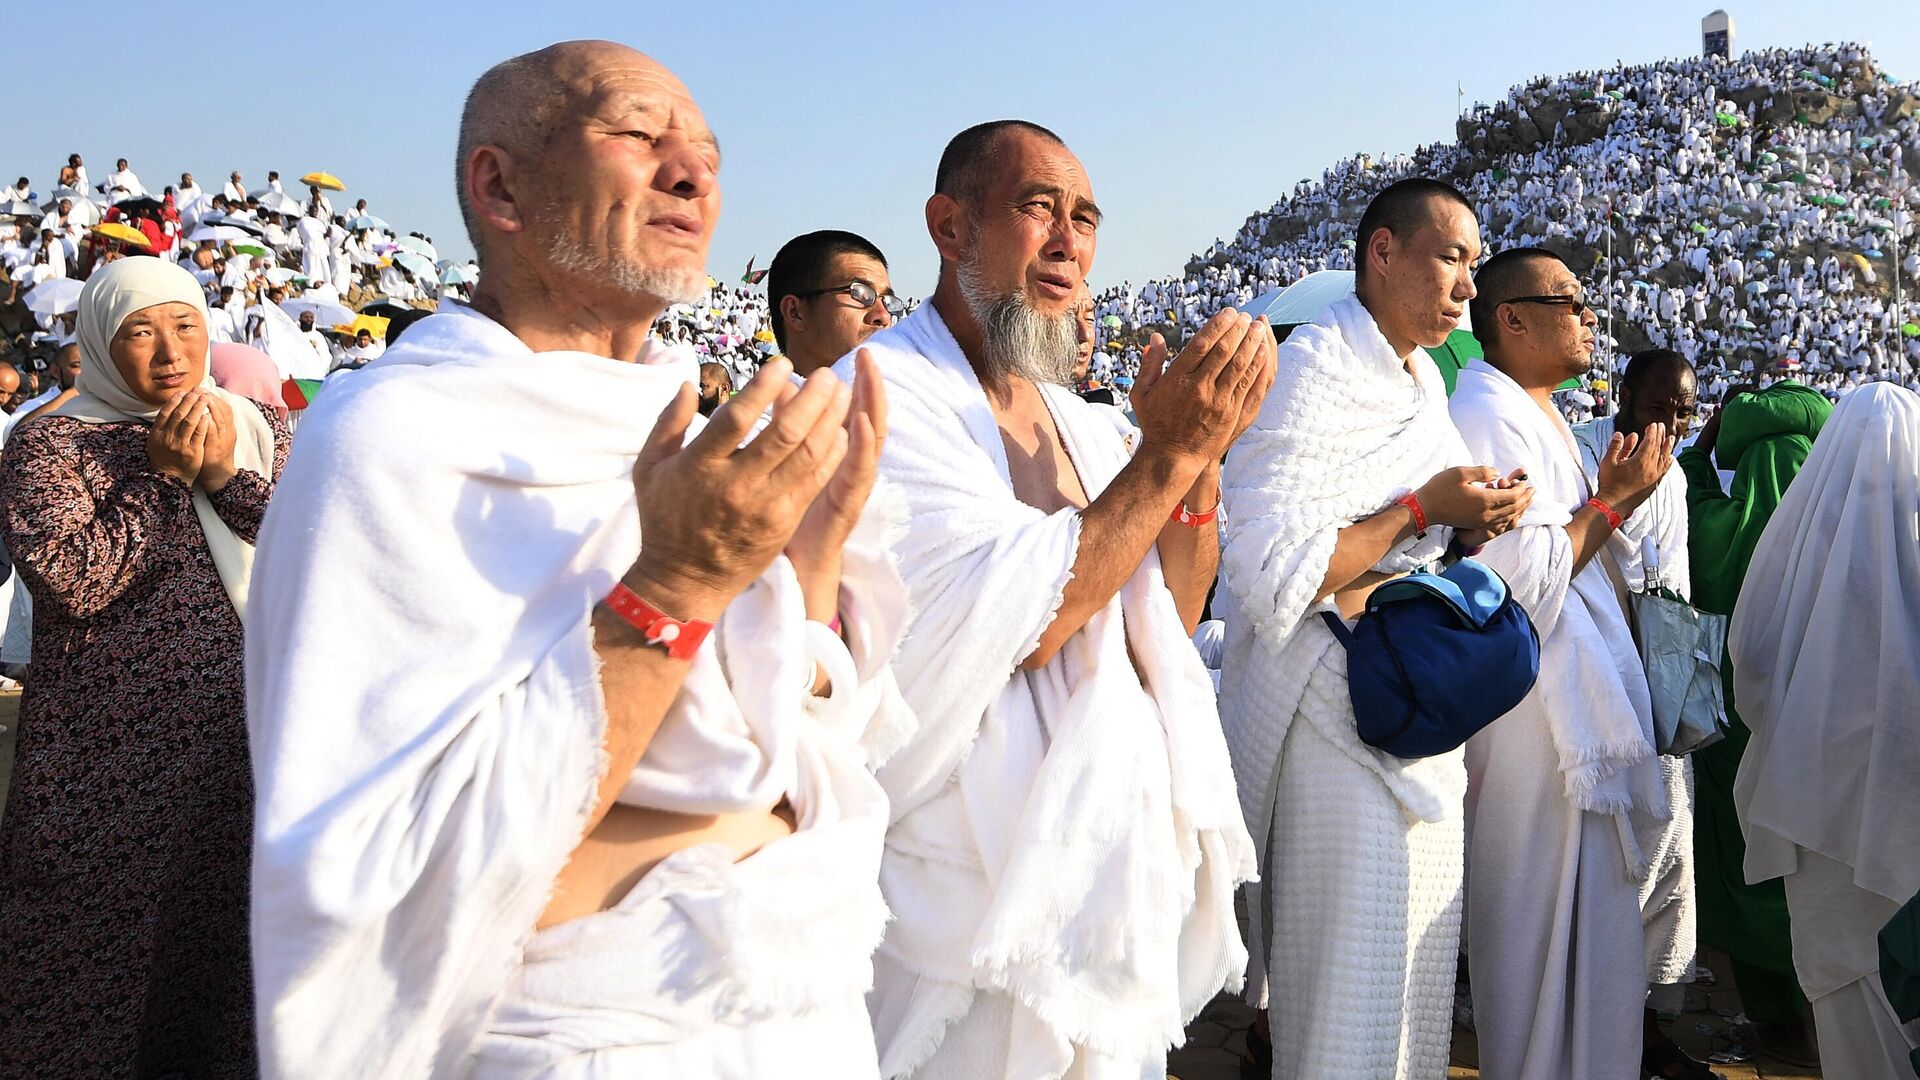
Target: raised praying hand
{"points": [[714, 513]]}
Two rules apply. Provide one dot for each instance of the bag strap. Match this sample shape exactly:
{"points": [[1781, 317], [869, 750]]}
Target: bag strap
{"points": [[1339, 627]]}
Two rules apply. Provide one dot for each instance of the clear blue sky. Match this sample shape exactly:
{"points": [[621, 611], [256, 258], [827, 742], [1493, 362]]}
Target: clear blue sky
{"points": [[1188, 116]]}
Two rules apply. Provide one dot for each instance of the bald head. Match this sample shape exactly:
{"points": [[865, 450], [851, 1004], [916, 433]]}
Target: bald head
{"points": [[9, 380], [588, 173], [66, 364], [519, 104]]}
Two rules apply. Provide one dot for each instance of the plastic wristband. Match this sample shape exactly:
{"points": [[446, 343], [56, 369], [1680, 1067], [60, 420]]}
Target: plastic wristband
{"points": [[1613, 516], [1412, 502], [680, 637], [1192, 520]]}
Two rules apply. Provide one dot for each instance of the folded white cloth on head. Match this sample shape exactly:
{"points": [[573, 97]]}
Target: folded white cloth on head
{"points": [[1065, 836], [1826, 655], [1592, 692], [424, 700]]}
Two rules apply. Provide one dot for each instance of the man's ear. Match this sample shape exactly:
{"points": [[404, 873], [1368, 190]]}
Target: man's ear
{"points": [[490, 178], [947, 225]]}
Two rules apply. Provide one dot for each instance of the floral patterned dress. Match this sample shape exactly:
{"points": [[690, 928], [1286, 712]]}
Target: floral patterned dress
{"points": [[125, 846]]}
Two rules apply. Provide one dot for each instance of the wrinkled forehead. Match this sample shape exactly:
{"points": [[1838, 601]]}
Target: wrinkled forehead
{"points": [[1028, 161], [618, 86]]}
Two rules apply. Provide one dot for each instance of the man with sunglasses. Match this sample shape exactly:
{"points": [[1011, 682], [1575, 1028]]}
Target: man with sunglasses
{"points": [[828, 292], [1565, 804]]}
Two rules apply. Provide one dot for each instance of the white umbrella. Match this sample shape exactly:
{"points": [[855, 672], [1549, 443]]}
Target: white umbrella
{"points": [[55, 296], [85, 213], [279, 203], [1580, 398], [325, 312], [460, 274], [21, 208], [1304, 300], [281, 275], [418, 247], [219, 234], [368, 221]]}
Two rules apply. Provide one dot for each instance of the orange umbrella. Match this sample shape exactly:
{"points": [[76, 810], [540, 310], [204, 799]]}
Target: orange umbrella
{"points": [[124, 233], [325, 180]]}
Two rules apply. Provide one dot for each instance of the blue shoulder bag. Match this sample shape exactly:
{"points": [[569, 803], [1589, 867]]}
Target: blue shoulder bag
{"points": [[1436, 657]]}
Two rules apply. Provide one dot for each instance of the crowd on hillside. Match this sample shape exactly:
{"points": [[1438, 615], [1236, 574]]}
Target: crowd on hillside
{"points": [[1755, 248]]}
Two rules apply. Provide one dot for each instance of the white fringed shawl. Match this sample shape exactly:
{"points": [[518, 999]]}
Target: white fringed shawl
{"points": [[1102, 814], [424, 700]]}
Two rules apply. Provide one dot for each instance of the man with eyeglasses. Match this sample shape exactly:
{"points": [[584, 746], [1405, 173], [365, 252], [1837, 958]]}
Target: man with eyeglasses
{"points": [[828, 292], [1564, 798], [1658, 385]]}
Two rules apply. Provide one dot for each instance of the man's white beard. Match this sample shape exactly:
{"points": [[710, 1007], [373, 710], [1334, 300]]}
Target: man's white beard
{"points": [[685, 286], [1016, 340]]}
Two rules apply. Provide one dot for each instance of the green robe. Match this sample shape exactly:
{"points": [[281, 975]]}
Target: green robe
{"points": [[1767, 436]]}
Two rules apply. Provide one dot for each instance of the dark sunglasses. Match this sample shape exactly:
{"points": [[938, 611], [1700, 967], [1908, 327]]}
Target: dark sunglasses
{"points": [[1574, 304], [863, 295]]}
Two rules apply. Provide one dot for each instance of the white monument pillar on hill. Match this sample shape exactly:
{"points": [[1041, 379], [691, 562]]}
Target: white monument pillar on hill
{"points": [[1716, 34]]}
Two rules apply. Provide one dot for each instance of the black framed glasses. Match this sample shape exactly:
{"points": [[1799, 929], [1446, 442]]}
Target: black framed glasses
{"points": [[1574, 304], [863, 295]]}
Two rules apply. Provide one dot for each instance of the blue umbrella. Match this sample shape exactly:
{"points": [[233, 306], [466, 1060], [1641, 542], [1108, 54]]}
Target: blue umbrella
{"points": [[368, 221], [414, 262]]}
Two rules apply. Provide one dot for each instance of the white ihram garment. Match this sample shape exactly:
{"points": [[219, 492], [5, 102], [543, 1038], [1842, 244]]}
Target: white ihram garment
{"points": [[427, 733], [1667, 907], [1826, 666], [1565, 801], [1065, 844], [1360, 850]]}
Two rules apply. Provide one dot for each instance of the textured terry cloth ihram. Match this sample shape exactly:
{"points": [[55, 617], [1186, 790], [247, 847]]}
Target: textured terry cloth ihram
{"points": [[1824, 646], [1667, 904], [1361, 851], [427, 733], [1065, 844], [1564, 802]]}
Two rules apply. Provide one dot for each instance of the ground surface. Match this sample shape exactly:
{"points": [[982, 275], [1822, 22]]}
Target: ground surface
{"points": [[1217, 1040]]}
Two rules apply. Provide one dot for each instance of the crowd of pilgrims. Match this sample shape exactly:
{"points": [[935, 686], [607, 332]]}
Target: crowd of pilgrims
{"points": [[1752, 247], [1749, 269]]}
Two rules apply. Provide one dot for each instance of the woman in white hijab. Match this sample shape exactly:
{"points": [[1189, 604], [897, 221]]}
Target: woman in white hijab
{"points": [[1826, 660], [130, 513]]}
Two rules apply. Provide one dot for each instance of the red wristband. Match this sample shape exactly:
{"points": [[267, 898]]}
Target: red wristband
{"points": [[1613, 516], [1192, 520], [680, 637], [1412, 502]]}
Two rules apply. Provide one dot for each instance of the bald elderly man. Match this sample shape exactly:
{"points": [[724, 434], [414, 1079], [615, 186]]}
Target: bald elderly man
{"points": [[552, 710]]}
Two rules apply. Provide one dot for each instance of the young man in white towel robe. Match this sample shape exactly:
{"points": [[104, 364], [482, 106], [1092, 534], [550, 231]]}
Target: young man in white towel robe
{"points": [[1824, 671], [1356, 922], [1658, 386], [1064, 845], [1564, 799], [523, 808]]}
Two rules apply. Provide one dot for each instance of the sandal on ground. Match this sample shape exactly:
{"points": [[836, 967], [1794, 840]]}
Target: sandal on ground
{"points": [[1665, 1060], [1259, 1065], [1763, 1039]]}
